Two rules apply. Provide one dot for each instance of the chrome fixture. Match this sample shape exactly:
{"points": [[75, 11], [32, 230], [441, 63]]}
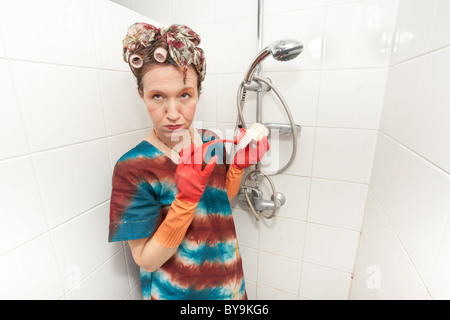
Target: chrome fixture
{"points": [[250, 194]]}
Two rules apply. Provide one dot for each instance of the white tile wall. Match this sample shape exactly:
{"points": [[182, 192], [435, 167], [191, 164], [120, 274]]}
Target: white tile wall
{"points": [[425, 130], [405, 227], [337, 203], [344, 154], [10, 118], [23, 216], [51, 105], [324, 283], [392, 274], [358, 34], [68, 110], [63, 38], [351, 98], [414, 23], [72, 112], [305, 26]]}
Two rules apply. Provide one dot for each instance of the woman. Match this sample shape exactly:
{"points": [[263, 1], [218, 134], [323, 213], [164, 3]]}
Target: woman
{"points": [[174, 210]]}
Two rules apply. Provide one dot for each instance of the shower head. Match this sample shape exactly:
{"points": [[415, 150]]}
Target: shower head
{"points": [[282, 50]]}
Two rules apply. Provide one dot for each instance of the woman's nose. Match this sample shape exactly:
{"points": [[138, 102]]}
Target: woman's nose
{"points": [[172, 111]]}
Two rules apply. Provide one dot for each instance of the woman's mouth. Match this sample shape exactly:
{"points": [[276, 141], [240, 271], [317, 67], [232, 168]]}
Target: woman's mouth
{"points": [[174, 126]]}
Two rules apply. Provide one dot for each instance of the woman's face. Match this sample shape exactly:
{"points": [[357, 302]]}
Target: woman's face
{"points": [[170, 103]]}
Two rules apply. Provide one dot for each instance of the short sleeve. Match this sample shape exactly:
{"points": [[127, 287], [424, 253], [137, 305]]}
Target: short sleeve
{"points": [[134, 209]]}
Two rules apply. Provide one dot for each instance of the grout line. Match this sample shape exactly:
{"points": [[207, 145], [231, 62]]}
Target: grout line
{"points": [[386, 215], [415, 153], [422, 55], [64, 64], [72, 144]]}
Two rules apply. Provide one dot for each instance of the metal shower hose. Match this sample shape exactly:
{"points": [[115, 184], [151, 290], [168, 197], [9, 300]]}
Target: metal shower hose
{"points": [[240, 103]]}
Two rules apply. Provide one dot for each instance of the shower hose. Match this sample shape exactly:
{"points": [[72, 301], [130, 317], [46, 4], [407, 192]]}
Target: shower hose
{"points": [[242, 91]]}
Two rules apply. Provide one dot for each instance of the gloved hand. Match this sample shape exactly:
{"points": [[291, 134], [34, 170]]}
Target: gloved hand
{"points": [[251, 154], [190, 177], [191, 180]]}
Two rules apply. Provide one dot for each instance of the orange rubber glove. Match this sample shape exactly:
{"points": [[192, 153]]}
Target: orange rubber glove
{"points": [[243, 159], [191, 180]]}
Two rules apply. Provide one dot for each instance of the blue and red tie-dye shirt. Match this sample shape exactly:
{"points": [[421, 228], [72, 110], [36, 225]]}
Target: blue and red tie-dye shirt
{"points": [[207, 264]]}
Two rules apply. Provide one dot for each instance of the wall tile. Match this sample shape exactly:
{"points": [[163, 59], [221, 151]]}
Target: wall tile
{"points": [[73, 179], [124, 109], [338, 204], [227, 89], [429, 131], [12, 135], [403, 84], [54, 111], [158, 10], [330, 247], [282, 236], [20, 204], [118, 145], [412, 34], [30, 272], [71, 240], [108, 282], [351, 98], [110, 29], [387, 169], [365, 276], [228, 9], [249, 262], [300, 89], [421, 208], [206, 106], [250, 288], [269, 275], [268, 293], [136, 293], [234, 54], [134, 271], [247, 228], [397, 276], [439, 285], [322, 283], [63, 38], [280, 152], [304, 26], [296, 191], [275, 6], [440, 36], [344, 154], [411, 86], [2, 47], [193, 11], [207, 33], [358, 34], [414, 195]]}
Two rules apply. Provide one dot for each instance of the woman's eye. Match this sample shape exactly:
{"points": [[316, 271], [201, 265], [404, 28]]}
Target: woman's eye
{"points": [[156, 97]]}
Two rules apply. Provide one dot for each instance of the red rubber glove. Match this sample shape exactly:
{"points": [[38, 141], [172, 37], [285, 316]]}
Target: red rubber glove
{"points": [[191, 182], [190, 176], [251, 154]]}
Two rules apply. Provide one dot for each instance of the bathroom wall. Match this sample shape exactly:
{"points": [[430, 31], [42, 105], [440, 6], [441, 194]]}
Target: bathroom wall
{"points": [[404, 252], [68, 110], [335, 91]]}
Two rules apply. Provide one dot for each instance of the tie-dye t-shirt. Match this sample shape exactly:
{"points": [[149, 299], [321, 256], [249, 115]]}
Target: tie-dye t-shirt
{"points": [[207, 264]]}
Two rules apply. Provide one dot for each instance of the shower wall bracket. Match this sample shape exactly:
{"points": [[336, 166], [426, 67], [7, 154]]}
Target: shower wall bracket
{"points": [[258, 86]]}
